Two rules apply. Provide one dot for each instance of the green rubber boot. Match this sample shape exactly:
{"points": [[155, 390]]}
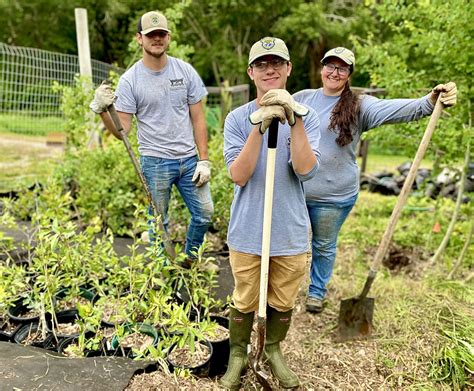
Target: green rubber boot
{"points": [[278, 324], [240, 328]]}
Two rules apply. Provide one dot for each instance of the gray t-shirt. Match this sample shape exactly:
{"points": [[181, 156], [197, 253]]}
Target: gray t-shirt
{"points": [[160, 100], [290, 221], [338, 176]]}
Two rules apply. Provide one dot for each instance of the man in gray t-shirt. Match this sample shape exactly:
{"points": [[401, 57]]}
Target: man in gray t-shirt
{"points": [[296, 160], [165, 95]]}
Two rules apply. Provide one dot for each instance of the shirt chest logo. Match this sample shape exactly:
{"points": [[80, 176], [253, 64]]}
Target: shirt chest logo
{"points": [[177, 82]]}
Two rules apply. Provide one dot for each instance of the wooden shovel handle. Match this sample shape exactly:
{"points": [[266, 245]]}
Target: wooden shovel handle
{"points": [[403, 196], [267, 216], [156, 212]]}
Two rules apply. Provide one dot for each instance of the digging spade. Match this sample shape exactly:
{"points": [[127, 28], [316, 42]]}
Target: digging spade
{"points": [[156, 211], [261, 375], [355, 315]]}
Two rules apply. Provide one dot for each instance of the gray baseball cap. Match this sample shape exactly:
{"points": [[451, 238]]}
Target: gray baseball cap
{"points": [[152, 21], [269, 46]]}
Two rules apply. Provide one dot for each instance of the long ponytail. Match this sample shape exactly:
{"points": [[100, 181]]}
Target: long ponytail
{"points": [[344, 116]]}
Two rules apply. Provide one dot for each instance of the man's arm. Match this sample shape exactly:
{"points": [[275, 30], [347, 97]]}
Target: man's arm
{"points": [[243, 167], [125, 120], [198, 120], [302, 156]]}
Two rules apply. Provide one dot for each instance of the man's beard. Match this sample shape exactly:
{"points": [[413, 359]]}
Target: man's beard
{"points": [[156, 55]]}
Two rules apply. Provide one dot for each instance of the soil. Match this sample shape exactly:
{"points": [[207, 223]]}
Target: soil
{"points": [[110, 314], [33, 336], [8, 326], [67, 329], [138, 341], [71, 303], [30, 313], [183, 357], [220, 334], [410, 261]]}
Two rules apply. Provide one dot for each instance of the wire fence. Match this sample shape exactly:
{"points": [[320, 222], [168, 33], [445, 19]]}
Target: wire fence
{"points": [[28, 102], [30, 105]]}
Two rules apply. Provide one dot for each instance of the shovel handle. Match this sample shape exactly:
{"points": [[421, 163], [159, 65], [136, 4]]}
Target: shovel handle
{"points": [[403, 196], [118, 125], [267, 216], [262, 377]]}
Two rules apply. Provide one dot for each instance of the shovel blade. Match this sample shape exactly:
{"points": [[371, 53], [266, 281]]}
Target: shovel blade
{"points": [[262, 376], [355, 317]]}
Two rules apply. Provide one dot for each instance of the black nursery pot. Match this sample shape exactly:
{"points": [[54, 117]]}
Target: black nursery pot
{"points": [[221, 350], [142, 328], [17, 311], [73, 340], [201, 370], [8, 333], [67, 316], [83, 292], [27, 329]]}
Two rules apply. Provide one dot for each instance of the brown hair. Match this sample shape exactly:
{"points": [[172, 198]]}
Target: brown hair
{"points": [[344, 116]]}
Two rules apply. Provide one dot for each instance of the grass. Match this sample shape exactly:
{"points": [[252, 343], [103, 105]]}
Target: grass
{"points": [[424, 324], [24, 161], [30, 125], [379, 163]]}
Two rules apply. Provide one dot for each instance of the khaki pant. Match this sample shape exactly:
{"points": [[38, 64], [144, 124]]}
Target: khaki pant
{"points": [[285, 275]]}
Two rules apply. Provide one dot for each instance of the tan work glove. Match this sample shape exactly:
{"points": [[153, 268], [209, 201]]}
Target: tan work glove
{"points": [[284, 99], [202, 173], [449, 94], [103, 97], [264, 116]]}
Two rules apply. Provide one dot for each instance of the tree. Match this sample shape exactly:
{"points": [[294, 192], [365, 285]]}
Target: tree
{"points": [[425, 43], [312, 28]]}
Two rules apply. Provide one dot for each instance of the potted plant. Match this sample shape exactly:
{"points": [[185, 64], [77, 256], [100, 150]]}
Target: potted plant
{"points": [[35, 335], [134, 339], [190, 351]]}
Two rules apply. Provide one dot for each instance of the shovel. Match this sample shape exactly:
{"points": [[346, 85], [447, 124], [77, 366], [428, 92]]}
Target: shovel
{"points": [[262, 376], [169, 249], [355, 315]]}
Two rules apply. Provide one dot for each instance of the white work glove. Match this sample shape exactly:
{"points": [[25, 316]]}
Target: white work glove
{"points": [[284, 99], [103, 97], [202, 173], [264, 116], [448, 93]]}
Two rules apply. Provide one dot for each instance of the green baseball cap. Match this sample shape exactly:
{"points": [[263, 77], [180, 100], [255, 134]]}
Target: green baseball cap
{"points": [[152, 21], [269, 46], [344, 54]]}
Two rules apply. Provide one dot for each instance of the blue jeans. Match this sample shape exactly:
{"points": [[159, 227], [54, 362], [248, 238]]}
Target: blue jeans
{"points": [[161, 174], [326, 222]]}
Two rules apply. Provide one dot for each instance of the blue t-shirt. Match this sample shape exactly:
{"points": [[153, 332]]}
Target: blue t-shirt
{"points": [[337, 178], [160, 100], [290, 221]]}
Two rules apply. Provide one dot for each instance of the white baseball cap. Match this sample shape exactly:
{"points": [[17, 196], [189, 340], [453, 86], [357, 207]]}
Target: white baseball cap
{"points": [[342, 53], [269, 46]]}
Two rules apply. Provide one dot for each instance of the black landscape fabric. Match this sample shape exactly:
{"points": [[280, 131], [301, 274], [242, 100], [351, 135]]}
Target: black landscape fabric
{"points": [[28, 368]]}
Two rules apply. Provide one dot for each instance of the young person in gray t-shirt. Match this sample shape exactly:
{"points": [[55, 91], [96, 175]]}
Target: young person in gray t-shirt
{"points": [[332, 192], [297, 155], [165, 94]]}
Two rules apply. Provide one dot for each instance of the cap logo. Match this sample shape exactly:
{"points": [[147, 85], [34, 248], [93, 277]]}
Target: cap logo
{"points": [[268, 43], [154, 20], [338, 50]]}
